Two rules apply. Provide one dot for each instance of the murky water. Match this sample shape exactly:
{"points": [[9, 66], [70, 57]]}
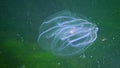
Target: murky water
{"points": [[19, 29]]}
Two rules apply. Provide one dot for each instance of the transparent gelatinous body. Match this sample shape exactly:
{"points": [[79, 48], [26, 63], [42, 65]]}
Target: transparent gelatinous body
{"points": [[64, 34]]}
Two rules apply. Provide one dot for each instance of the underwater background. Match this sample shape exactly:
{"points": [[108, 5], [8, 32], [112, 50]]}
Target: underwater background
{"points": [[19, 29]]}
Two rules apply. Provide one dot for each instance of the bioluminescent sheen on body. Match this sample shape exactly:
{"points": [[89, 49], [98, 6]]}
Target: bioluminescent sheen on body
{"points": [[64, 34]]}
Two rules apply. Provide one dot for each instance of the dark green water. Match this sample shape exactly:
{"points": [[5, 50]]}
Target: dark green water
{"points": [[20, 21]]}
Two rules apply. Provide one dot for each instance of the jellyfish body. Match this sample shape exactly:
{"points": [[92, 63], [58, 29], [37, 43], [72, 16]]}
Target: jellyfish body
{"points": [[65, 35]]}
